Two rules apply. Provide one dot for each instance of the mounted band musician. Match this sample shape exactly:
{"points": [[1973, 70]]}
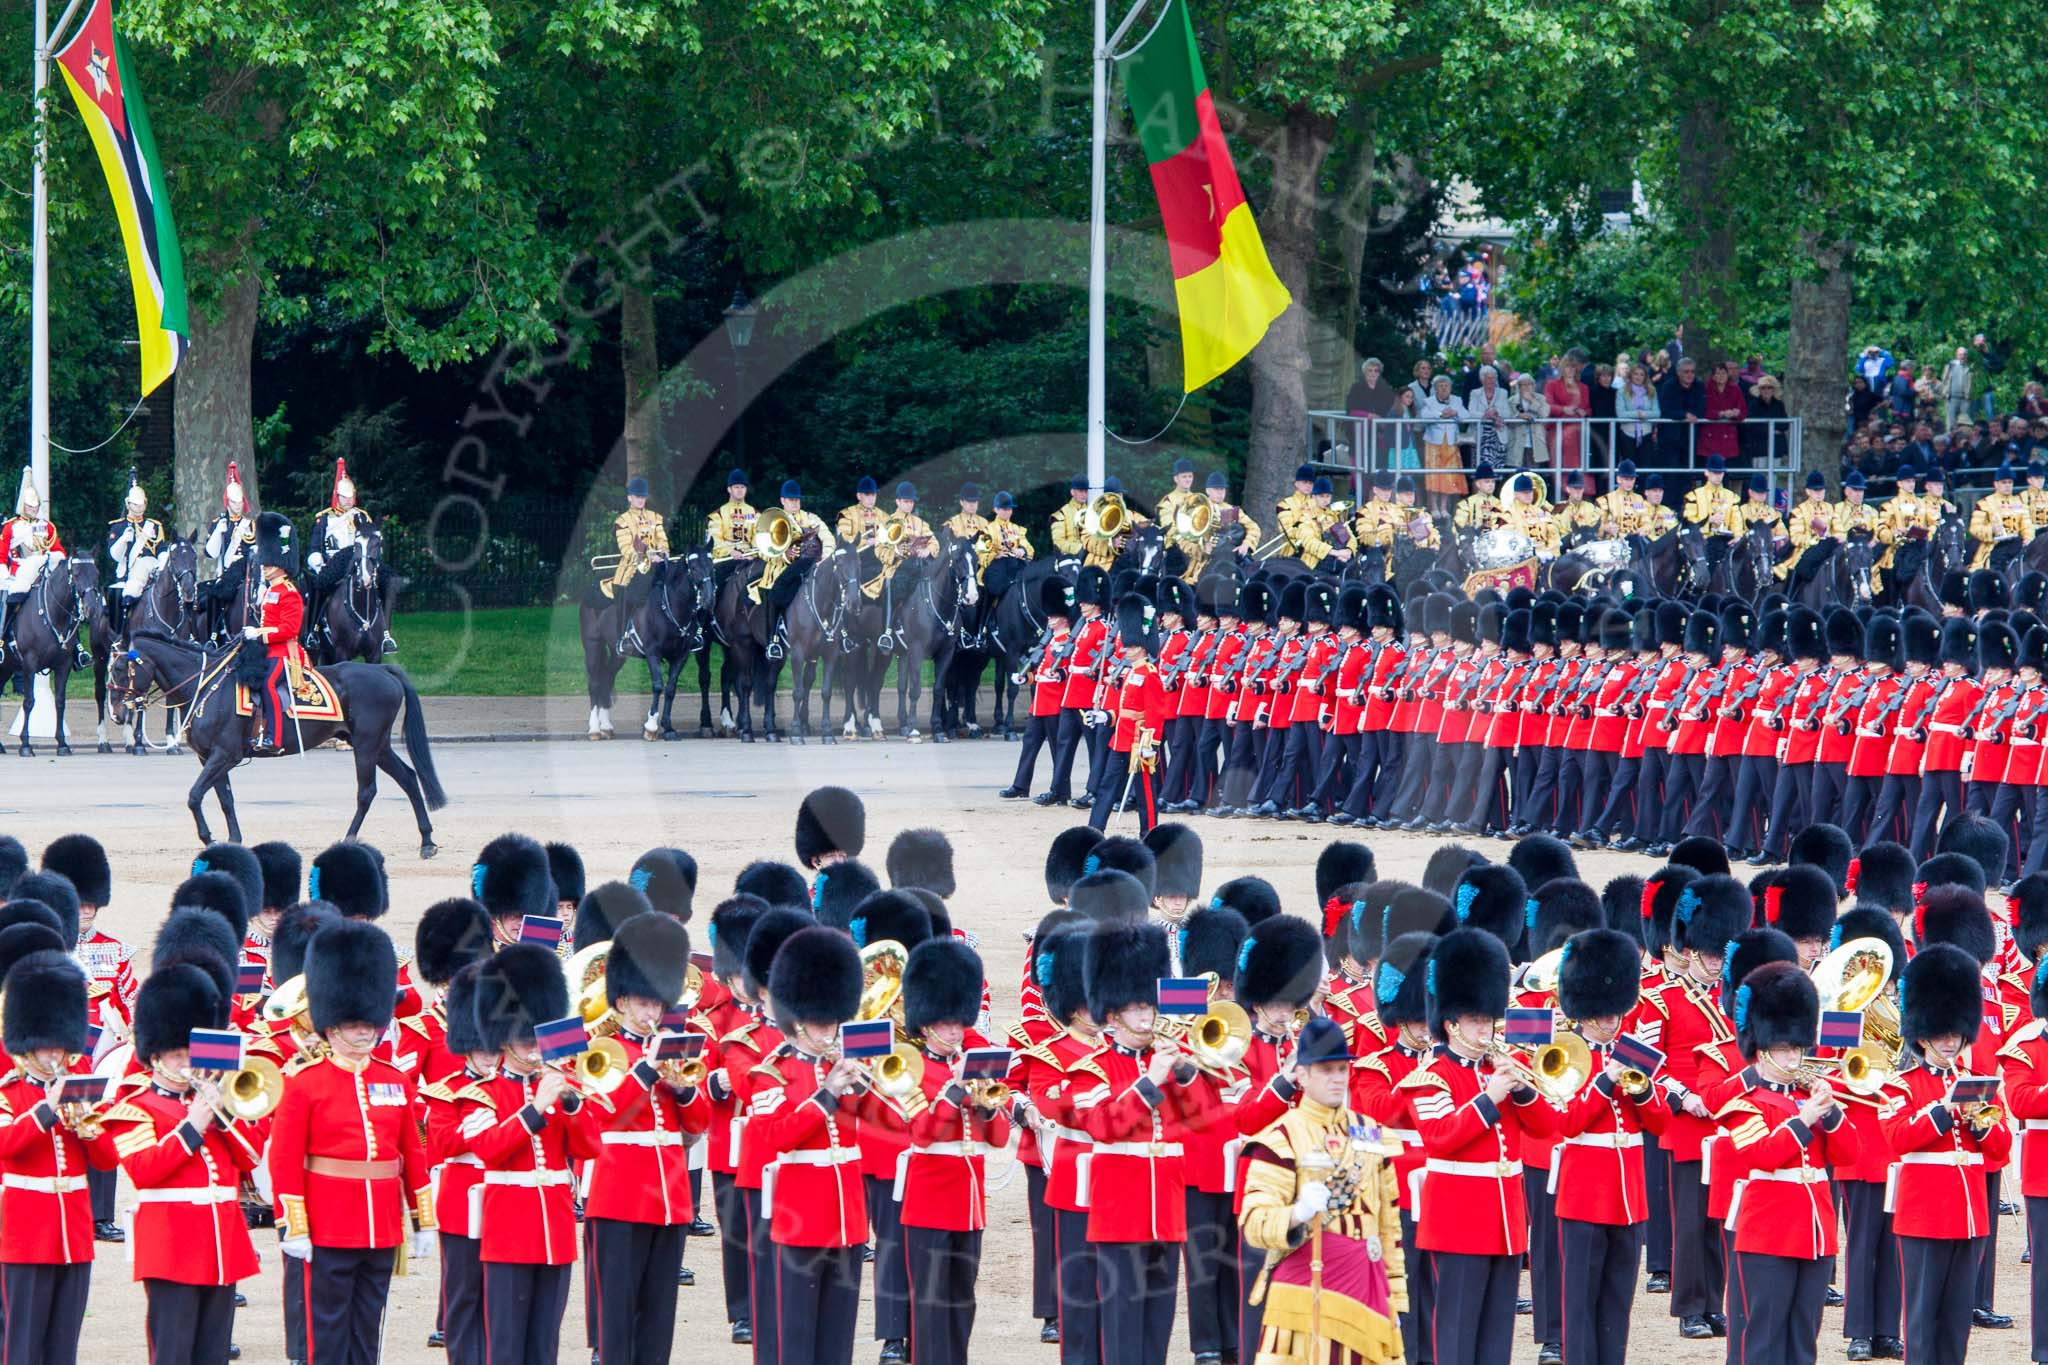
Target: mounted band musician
{"points": [[790, 543], [273, 662], [730, 529], [643, 542], [228, 544], [134, 540], [336, 533], [28, 541]]}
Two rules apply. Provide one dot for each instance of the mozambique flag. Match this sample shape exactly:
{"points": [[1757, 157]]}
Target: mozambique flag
{"points": [[98, 69], [1227, 291]]}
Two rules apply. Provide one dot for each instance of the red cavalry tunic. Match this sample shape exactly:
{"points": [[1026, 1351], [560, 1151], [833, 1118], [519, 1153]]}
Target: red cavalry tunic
{"points": [[45, 1211], [345, 1155], [188, 1225], [641, 1133]]}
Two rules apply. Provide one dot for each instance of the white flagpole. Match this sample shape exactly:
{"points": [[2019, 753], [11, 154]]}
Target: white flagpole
{"points": [[1097, 253], [39, 325]]}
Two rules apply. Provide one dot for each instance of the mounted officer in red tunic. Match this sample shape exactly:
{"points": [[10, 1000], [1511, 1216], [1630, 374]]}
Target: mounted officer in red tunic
{"points": [[282, 613]]}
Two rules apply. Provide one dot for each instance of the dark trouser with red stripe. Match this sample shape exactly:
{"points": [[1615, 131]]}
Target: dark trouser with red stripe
{"points": [[346, 1289], [1939, 1278], [1251, 1317], [1211, 1255], [1897, 798], [1941, 800], [943, 1267], [731, 1204], [1616, 815], [1732, 1299], [44, 1306], [2008, 806], [1682, 781], [294, 1279], [1240, 765], [523, 1306], [1181, 733], [1346, 761], [1474, 1318], [1657, 1193], [1489, 809], [1546, 1325], [462, 1299], [761, 1251], [1870, 1262], [892, 1282], [99, 1187], [1411, 789], [1571, 769], [1710, 809], [1045, 1285], [1416, 1333], [1781, 1298], [1653, 777], [1116, 773], [1598, 1278], [1789, 808], [1067, 739], [1987, 1255], [1532, 800], [1137, 1283], [1830, 792], [1080, 1310], [1756, 776], [1209, 752], [633, 1289], [1698, 1274], [818, 1297], [1038, 732], [189, 1324]]}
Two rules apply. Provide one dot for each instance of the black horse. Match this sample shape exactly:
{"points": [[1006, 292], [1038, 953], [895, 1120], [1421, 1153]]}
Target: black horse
{"points": [[202, 681], [1012, 631], [1922, 562], [929, 620], [743, 628], [357, 613], [814, 625], [59, 606], [670, 628], [171, 605]]}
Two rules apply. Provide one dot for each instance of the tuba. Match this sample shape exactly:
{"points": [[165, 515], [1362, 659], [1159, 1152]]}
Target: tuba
{"points": [[1852, 979], [585, 971], [774, 534], [1107, 517], [881, 992], [1542, 974], [1195, 520]]}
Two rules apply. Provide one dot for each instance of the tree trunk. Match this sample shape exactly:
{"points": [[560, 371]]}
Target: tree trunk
{"points": [[1295, 151], [1817, 356], [1705, 165], [211, 411], [1333, 357], [642, 367]]}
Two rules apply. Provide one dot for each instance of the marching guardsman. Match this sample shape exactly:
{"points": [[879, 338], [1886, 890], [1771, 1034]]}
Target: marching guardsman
{"points": [[28, 540], [1884, 660], [185, 1152], [1899, 792], [954, 1124], [1941, 782], [769, 589], [1940, 1208], [1310, 688], [1321, 1203], [283, 614], [1083, 664], [1999, 517], [1402, 1005], [1207, 942], [642, 542], [452, 934], [345, 1156], [335, 534], [968, 523], [730, 529], [1596, 1172], [1045, 672], [1069, 524], [1481, 511], [523, 1125], [133, 540], [1342, 712], [1473, 1105], [1525, 514], [1621, 507], [1147, 1096], [741, 1055], [229, 544], [1059, 1074], [1181, 495], [1136, 713], [458, 1173], [638, 1189], [808, 1106], [1710, 505]]}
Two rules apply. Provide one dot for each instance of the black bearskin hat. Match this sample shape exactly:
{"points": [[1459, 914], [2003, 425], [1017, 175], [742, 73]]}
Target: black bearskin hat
{"points": [[1709, 913], [1447, 867], [1884, 642], [1959, 641], [1955, 589], [459, 1004], [1468, 974], [520, 989], [731, 921], [1776, 1006], [1052, 596], [1952, 869], [775, 928], [1294, 600], [170, 1005], [1738, 623], [282, 870], [1976, 838], [1614, 632], [296, 929], [839, 889], [13, 862], [1562, 908], [452, 934], [1922, 638], [565, 869], [198, 935], [1747, 951], [603, 908], [1065, 860], [44, 1004], [921, 857], [1494, 899], [1252, 897], [352, 975], [1672, 618], [1119, 854], [1280, 962], [2030, 915], [220, 893], [1400, 981], [350, 877], [1843, 633], [1542, 858], [1091, 586], [1600, 976], [1134, 622], [1125, 962], [1770, 632], [81, 858], [816, 979], [890, 917], [277, 542], [1800, 902], [1465, 623], [1341, 863], [1662, 891], [1941, 992], [1804, 634], [1367, 919], [1703, 634], [1414, 911], [1826, 847], [1060, 967], [17, 941], [1708, 857], [1622, 901], [1515, 632], [1255, 603], [1957, 915], [1209, 941], [1109, 896], [239, 864], [54, 890], [1177, 854], [650, 956], [776, 883], [942, 920], [941, 985], [1883, 874], [1436, 613], [830, 820], [668, 878], [1987, 590], [1998, 646], [1865, 921]]}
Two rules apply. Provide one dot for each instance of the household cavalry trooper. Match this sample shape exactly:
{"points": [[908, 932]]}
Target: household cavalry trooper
{"points": [[1810, 522], [642, 542], [1230, 530], [2035, 495], [28, 541], [730, 529], [1710, 502], [337, 532], [1001, 550], [1379, 523], [913, 539], [1756, 509], [229, 544], [1577, 513], [783, 574], [133, 542], [1101, 550], [1999, 517], [1295, 512], [1181, 496], [1069, 523], [1621, 507]]}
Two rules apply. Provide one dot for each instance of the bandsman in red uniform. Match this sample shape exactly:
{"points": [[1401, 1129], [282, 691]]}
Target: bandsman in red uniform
{"points": [[2023, 1061], [1055, 1078], [46, 1233], [731, 922], [1377, 1093], [745, 1056], [1044, 671], [346, 1161], [1940, 1147], [1870, 1250], [1083, 666], [458, 1173], [451, 935], [1941, 784], [185, 1153], [1136, 718]]}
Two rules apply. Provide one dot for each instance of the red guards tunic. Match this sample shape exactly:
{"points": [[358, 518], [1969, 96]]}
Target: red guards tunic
{"points": [[1602, 732], [1731, 714], [1803, 721], [1139, 704], [45, 1211], [1938, 1165], [1550, 725], [188, 1224], [1056, 1079], [642, 1132], [1691, 1020], [1377, 1092], [1990, 752], [1371, 670], [1193, 702], [1248, 689], [1313, 687], [108, 963], [1472, 1201], [1909, 734], [1504, 704], [1222, 677], [1672, 675], [345, 1155], [739, 1051], [1763, 722], [1945, 740], [458, 1175], [945, 1175], [1597, 1170], [2023, 767], [284, 614], [422, 1046], [1722, 1078], [1787, 1207], [2023, 1061], [812, 1184], [1838, 716], [1084, 665], [1872, 749], [1137, 1180], [1034, 1032], [1453, 692], [1267, 1095], [1344, 705], [1634, 704], [1694, 724], [1173, 656], [529, 1199], [1048, 677], [1284, 681], [1424, 706]]}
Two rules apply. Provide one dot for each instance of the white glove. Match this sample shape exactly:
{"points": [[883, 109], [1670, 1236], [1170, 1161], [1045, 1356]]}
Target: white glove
{"points": [[252, 632], [298, 1248], [315, 560], [422, 1244], [1313, 1199], [1091, 719]]}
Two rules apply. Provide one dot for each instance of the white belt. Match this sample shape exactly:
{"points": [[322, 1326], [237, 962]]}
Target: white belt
{"points": [[1946, 729], [1614, 1141], [1792, 1175], [819, 1156], [462, 1159], [196, 1194], [532, 1180], [649, 1138], [1485, 1170], [951, 1149], [1919, 1159], [1145, 1149], [2034, 1125], [1869, 734], [1070, 1135], [43, 1184]]}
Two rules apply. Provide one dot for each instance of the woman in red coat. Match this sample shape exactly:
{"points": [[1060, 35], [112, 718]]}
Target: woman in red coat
{"points": [[1726, 406]]}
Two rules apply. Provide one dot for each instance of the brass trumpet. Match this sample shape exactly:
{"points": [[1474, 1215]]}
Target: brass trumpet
{"points": [[900, 1074], [989, 1094], [685, 1074], [599, 1069]]}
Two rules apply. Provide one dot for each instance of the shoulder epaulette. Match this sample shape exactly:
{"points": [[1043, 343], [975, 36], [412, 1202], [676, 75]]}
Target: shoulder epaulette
{"points": [[473, 1091], [741, 1034], [1375, 1064], [128, 1112], [1422, 1078], [1088, 1066], [2026, 1033], [417, 1023], [1039, 1052], [436, 1090]]}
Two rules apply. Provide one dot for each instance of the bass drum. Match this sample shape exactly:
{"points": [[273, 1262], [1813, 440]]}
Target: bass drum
{"points": [[1605, 555], [1501, 548]]}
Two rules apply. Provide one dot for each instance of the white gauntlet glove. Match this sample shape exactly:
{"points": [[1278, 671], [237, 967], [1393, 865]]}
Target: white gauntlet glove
{"points": [[298, 1248], [422, 1244], [1313, 1199]]}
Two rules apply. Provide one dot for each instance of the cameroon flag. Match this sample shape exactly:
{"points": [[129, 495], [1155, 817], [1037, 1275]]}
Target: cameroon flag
{"points": [[97, 68], [1226, 287]]}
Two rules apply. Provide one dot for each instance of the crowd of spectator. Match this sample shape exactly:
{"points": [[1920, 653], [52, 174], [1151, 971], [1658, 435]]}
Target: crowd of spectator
{"points": [[1901, 412]]}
